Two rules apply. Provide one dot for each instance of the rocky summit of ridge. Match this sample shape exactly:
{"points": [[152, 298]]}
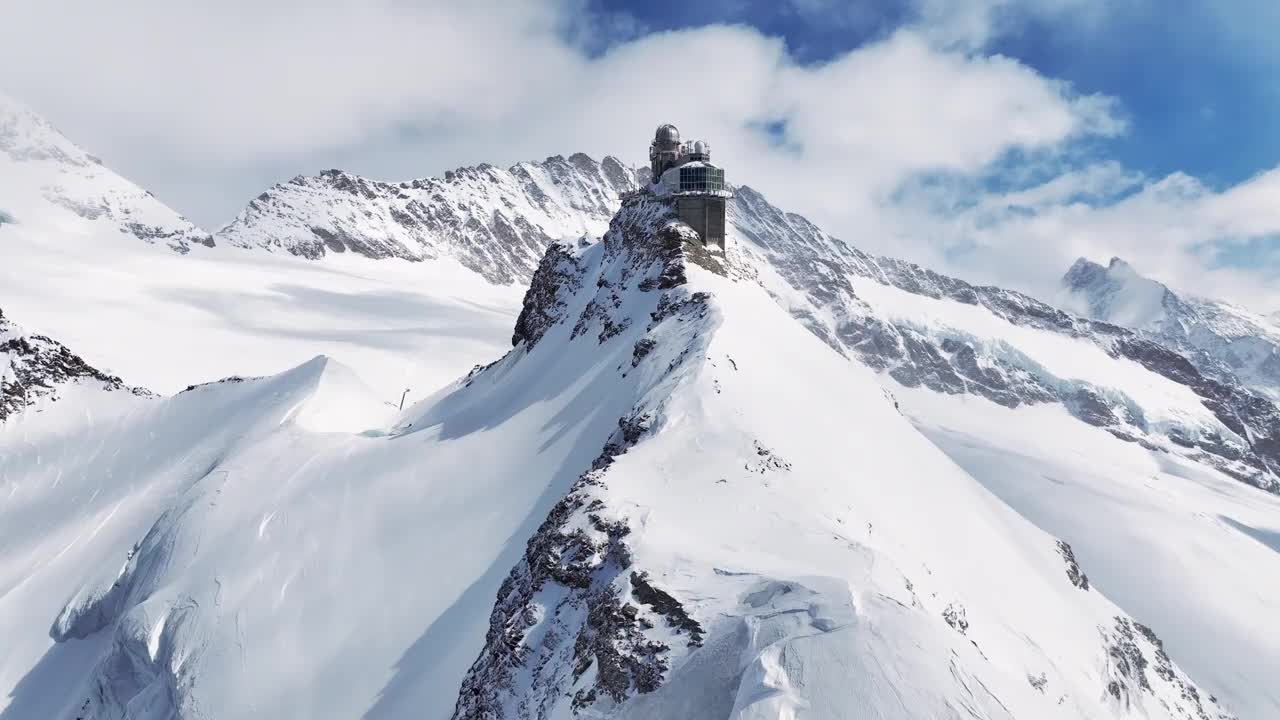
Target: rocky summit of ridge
{"points": [[494, 221]]}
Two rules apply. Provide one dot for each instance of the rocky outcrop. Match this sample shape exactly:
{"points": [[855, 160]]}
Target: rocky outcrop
{"points": [[558, 275], [33, 367]]}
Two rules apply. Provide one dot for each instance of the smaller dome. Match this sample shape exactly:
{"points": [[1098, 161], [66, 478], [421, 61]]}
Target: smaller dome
{"points": [[667, 134], [700, 147]]}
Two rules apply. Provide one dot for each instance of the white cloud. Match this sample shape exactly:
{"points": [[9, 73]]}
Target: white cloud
{"points": [[206, 103], [1175, 229]]}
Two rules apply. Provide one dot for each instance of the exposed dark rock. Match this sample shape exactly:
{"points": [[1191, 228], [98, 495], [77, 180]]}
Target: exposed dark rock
{"points": [[1074, 573], [642, 348], [767, 461], [665, 605], [544, 304], [955, 616], [1130, 648]]}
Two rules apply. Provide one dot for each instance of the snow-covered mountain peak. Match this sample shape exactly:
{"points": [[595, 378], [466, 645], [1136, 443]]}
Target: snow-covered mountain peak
{"points": [[1118, 293], [793, 481], [49, 185], [1118, 264], [1240, 342], [25, 135], [494, 221]]}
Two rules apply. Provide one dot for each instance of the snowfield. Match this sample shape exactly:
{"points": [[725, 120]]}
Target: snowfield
{"points": [[165, 321], [162, 319]]}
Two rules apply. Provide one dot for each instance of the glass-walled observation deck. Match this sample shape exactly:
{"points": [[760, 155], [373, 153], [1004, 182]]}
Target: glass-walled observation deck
{"points": [[701, 178]]}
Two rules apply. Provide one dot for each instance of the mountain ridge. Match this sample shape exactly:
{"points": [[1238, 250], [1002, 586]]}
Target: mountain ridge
{"points": [[494, 221]]}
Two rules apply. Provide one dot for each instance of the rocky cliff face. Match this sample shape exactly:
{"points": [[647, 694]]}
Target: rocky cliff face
{"points": [[44, 176], [34, 367], [492, 220]]}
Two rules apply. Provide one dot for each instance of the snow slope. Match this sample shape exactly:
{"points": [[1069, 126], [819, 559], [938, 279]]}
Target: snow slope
{"points": [[1147, 526], [651, 484], [1244, 343], [72, 267]]}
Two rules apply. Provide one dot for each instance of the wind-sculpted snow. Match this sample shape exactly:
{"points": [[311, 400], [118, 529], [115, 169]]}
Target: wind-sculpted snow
{"points": [[48, 179], [496, 222], [34, 367]]}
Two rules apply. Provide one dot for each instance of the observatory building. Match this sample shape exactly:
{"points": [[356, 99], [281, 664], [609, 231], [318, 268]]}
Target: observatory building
{"points": [[683, 171]]}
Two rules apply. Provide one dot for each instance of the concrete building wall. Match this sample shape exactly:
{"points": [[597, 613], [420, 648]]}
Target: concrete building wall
{"points": [[706, 215]]}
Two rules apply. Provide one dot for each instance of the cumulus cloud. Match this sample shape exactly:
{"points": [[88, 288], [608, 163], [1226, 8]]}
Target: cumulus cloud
{"points": [[894, 145]]}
